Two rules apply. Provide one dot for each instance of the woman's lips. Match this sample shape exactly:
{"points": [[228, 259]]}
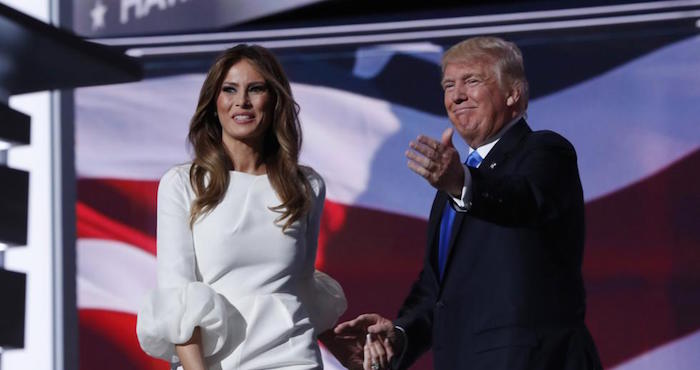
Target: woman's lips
{"points": [[243, 118]]}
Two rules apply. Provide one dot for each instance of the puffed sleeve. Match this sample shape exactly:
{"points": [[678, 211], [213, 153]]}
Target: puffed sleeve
{"points": [[180, 303], [326, 295]]}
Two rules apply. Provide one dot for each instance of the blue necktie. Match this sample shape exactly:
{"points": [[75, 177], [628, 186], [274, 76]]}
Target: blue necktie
{"points": [[448, 218]]}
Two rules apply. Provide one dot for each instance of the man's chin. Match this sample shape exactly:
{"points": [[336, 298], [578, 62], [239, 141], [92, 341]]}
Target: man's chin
{"points": [[468, 139], [467, 133]]}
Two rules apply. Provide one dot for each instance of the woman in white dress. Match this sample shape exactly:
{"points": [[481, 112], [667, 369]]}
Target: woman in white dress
{"points": [[237, 232]]}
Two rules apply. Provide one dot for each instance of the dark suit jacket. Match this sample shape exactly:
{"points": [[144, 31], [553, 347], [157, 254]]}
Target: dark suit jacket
{"points": [[512, 295]]}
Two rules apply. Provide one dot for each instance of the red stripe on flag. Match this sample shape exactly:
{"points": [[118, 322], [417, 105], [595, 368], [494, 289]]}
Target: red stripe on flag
{"points": [[108, 342], [641, 262], [332, 221], [93, 224], [129, 202]]}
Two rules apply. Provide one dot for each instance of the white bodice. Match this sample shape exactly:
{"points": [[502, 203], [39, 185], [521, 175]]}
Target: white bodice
{"points": [[239, 249]]}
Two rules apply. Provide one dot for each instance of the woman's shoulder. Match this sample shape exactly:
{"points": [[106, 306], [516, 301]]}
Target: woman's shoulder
{"points": [[176, 178], [315, 180]]}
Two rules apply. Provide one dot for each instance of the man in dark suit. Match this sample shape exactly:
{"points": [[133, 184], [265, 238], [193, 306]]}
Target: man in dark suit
{"points": [[501, 286]]}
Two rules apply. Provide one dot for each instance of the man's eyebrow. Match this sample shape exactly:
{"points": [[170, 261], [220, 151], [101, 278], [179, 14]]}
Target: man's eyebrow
{"points": [[461, 77]]}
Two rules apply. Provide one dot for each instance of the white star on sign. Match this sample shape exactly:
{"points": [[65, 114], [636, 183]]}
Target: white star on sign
{"points": [[98, 15]]}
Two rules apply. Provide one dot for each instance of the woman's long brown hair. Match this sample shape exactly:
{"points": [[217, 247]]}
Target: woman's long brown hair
{"points": [[209, 174]]}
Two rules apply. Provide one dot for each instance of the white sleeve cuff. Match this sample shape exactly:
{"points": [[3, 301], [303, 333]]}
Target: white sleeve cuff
{"points": [[329, 301], [170, 315], [404, 337], [463, 203]]}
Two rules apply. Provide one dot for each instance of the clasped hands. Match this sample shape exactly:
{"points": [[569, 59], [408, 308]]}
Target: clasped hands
{"points": [[369, 342]]}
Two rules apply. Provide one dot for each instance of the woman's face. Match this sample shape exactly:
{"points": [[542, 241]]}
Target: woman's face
{"points": [[243, 105]]}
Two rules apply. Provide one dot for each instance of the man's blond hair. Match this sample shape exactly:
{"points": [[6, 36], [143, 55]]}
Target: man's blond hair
{"points": [[504, 55]]}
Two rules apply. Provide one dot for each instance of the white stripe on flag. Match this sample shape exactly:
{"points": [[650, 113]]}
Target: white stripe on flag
{"points": [[355, 142], [680, 354], [113, 276], [630, 122], [629, 129]]}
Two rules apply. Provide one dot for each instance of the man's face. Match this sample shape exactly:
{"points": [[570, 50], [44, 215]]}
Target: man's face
{"points": [[475, 102]]}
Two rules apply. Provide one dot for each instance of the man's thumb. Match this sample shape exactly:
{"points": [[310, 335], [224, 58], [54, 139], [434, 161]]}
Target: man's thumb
{"points": [[447, 137]]}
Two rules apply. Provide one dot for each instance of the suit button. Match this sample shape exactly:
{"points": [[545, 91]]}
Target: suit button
{"points": [[440, 304], [485, 195]]}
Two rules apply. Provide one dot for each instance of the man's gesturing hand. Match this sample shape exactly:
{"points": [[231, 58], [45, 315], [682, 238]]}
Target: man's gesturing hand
{"points": [[438, 162]]}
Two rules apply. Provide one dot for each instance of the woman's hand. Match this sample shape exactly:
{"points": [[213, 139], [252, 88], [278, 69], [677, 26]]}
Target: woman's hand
{"points": [[190, 352], [381, 341]]}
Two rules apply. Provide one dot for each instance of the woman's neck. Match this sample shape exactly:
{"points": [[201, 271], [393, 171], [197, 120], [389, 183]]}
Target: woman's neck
{"points": [[246, 157]]}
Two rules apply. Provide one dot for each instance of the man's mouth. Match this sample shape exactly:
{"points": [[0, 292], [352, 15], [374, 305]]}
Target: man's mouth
{"points": [[462, 110]]}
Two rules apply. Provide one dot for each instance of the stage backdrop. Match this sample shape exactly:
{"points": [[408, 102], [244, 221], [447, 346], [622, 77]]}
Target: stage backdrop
{"points": [[630, 104]]}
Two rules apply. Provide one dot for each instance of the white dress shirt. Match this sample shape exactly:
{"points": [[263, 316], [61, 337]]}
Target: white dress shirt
{"points": [[463, 203]]}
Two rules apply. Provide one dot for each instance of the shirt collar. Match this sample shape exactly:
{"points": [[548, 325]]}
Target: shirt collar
{"points": [[486, 148]]}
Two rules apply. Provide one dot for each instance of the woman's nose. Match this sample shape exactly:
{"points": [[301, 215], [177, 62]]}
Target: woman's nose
{"points": [[241, 100]]}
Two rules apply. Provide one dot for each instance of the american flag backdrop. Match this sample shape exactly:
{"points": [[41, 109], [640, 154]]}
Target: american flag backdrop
{"points": [[628, 99]]}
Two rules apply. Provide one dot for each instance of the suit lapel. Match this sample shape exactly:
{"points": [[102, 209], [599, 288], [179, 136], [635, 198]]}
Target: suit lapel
{"points": [[501, 151], [498, 154]]}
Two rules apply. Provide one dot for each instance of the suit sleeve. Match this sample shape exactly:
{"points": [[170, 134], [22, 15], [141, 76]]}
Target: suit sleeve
{"points": [[416, 319], [539, 190], [416, 314]]}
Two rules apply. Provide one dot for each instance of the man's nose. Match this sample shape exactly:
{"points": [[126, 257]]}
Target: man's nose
{"points": [[459, 94]]}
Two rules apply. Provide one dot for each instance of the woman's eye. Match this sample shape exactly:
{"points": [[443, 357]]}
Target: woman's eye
{"points": [[229, 89], [257, 88]]}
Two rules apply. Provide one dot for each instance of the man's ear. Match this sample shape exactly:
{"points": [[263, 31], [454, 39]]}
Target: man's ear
{"points": [[513, 96]]}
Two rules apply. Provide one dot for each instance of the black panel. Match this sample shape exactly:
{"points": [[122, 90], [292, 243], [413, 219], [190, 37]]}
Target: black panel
{"points": [[14, 126], [112, 18], [12, 290], [37, 56], [334, 12], [14, 196]]}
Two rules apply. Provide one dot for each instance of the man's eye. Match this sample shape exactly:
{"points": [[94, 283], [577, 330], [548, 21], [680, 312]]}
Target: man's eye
{"points": [[448, 86]]}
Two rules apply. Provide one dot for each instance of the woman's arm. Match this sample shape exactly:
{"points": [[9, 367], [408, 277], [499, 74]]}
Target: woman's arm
{"points": [[190, 352], [183, 315]]}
